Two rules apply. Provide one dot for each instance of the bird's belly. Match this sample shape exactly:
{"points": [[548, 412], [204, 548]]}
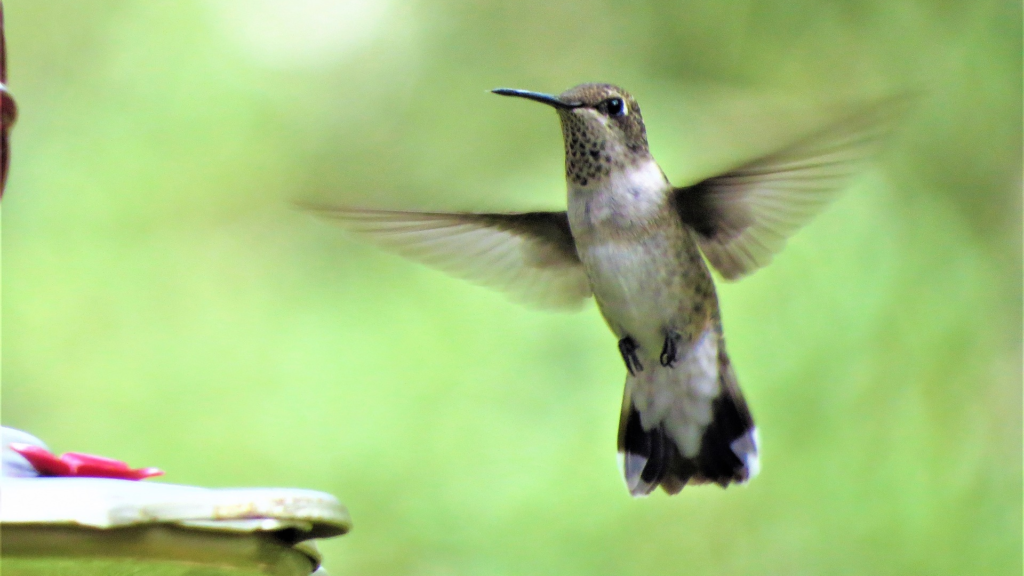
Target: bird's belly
{"points": [[639, 286]]}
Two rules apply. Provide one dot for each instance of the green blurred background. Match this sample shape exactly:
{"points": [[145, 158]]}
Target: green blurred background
{"points": [[164, 303]]}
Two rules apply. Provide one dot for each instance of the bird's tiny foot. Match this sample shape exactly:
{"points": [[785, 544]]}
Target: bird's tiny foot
{"points": [[670, 351], [628, 348]]}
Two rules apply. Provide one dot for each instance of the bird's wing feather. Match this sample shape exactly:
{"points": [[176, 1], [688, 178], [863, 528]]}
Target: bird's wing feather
{"points": [[530, 256], [743, 217]]}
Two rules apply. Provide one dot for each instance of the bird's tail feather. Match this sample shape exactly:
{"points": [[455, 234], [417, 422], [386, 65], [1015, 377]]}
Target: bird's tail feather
{"points": [[651, 457]]}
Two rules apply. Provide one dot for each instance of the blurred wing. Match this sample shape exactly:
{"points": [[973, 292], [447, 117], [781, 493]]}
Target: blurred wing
{"points": [[530, 256], [742, 218]]}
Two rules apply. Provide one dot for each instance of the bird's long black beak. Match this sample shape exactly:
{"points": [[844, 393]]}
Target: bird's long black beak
{"points": [[538, 97]]}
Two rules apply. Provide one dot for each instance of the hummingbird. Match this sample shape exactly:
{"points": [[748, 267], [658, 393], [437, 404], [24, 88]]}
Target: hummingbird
{"points": [[641, 247]]}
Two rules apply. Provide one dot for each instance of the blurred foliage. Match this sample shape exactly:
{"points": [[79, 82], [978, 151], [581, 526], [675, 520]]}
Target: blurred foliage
{"points": [[165, 304]]}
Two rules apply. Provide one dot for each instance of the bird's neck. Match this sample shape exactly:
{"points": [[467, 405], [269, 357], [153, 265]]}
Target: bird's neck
{"points": [[629, 180], [627, 196]]}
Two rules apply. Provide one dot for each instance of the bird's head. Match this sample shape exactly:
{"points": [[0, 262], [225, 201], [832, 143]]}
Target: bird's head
{"points": [[602, 128]]}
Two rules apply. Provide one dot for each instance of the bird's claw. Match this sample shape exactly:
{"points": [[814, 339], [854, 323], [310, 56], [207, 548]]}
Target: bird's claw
{"points": [[628, 348], [670, 351]]}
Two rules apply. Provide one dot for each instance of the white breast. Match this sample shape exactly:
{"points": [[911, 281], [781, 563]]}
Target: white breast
{"points": [[626, 198], [628, 248], [634, 286]]}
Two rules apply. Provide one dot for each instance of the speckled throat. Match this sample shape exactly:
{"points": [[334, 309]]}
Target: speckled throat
{"points": [[591, 155]]}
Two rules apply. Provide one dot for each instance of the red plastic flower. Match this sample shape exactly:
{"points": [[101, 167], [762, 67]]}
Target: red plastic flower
{"points": [[81, 465]]}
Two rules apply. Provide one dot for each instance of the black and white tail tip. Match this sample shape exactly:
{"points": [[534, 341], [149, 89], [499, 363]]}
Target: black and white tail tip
{"points": [[728, 450]]}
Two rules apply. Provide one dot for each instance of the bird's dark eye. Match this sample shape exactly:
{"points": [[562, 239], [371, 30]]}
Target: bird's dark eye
{"points": [[613, 107]]}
